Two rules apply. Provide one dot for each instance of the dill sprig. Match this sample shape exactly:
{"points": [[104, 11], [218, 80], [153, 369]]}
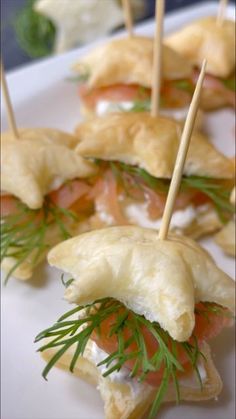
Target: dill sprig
{"points": [[216, 190], [79, 78], [24, 235], [230, 83], [185, 85], [127, 328]]}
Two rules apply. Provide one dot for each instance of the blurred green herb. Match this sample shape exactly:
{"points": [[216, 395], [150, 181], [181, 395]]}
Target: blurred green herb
{"points": [[230, 83], [185, 85], [78, 78], [35, 33]]}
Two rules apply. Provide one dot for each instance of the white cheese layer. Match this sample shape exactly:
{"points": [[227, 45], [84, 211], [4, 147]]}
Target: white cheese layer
{"points": [[137, 213], [122, 376], [105, 106], [98, 355]]}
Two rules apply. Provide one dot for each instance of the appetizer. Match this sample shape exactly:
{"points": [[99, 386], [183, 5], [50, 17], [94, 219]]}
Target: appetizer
{"points": [[118, 76], [44, 196], [205, 38], [135, 155], [145, 310], [226, 237]]}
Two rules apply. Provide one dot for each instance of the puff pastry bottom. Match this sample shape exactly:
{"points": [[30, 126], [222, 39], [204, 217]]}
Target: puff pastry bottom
{"points": [[226, 238], [120, 402]]}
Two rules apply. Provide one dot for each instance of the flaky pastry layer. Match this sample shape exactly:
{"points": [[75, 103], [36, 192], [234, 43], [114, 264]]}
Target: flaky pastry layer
{"points": [[205, 39], [39, 158], [150, 143], [129, 61], [160, 279]]}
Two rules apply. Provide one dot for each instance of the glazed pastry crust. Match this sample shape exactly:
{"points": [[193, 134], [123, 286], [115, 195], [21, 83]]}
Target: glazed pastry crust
{"points": [[129, 61], [150, 143], [205, 39], [37, 160], [160, 279], [120, 402]]}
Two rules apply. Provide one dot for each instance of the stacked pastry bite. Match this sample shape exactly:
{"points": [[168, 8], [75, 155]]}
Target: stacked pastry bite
{"points": [[145, 310], [206, 38], [44, 196], [135, 155], [118, 76]]}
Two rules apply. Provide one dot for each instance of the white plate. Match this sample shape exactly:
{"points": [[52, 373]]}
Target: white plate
{"points": [[42, 97]]}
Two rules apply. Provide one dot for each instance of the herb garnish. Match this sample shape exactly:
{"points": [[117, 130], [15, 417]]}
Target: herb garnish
{"points": [[79, 78], [66, 333], [25, 235], [185, 85], [230, 83]]}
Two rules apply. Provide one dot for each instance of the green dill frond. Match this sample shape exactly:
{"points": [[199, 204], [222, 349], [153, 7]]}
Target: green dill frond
{"points": [[218, 193], [79, 78], [127, 328], [185, 85], [230, 83], [25, 235], [140, 106]]}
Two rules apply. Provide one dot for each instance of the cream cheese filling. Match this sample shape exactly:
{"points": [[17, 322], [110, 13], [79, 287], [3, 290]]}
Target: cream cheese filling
{"points": [[105, 106], [137, 213], [122, 376]]}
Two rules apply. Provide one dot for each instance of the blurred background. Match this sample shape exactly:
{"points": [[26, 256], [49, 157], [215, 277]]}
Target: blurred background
{"points": [[31, 29]]}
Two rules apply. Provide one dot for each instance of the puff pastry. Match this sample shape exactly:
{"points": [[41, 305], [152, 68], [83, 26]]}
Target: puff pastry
{"points": [[129, 61], [214, 99], [150, 143], [40, 158], [120, 402], [161, 280], [226, 237], [204, 38]]}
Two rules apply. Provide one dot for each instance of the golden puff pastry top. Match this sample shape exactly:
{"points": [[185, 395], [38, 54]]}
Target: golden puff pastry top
{"points": [[160, 279], [150, 143], [129, 61], [204, 38], [39, 161]]}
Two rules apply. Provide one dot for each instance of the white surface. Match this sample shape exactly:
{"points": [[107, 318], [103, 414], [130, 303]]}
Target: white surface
{"points": [[42, 97]]}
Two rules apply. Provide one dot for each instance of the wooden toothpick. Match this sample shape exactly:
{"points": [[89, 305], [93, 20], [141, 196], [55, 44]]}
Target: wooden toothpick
{"points": [[128, 16], [9, 108], [181, 156], [221, 11], [157, 58]]}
